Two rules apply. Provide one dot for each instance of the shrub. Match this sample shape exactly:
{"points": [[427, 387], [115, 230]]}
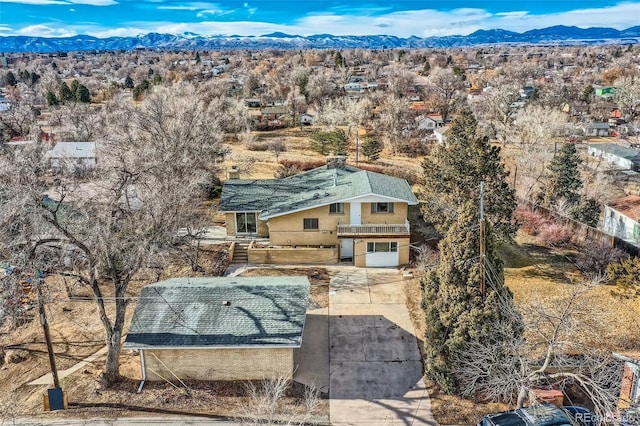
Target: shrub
{"points": [[555, 234], [625, 273], [596, 257], [303, 166], [258, 146], [530, 221]]}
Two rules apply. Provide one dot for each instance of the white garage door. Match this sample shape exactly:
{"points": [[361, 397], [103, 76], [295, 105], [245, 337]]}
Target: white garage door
{"points": [[382, 254]]}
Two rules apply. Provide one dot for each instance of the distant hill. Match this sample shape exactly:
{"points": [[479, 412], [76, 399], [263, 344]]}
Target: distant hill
{"points": [[189, 41]]}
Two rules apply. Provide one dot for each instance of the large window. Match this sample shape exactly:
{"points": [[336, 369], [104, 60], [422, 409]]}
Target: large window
{"points": [[381, 207], [310, 223], [246, 223], [382, 247], [336, 208]]}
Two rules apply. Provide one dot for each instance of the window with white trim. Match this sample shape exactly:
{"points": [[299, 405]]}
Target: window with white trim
{"points": [[310, 223], [381, 207], [336, 208], [382, 247]]}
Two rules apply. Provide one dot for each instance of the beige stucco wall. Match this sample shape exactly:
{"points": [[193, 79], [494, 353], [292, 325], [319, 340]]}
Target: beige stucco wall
{"points": [[218, 364], [288, 229], [398, 216], [360, 249], [294, 256], [230, 224]]}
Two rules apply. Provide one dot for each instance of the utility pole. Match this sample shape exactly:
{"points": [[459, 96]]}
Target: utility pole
{"points": [[45, 327], [482, 244]]}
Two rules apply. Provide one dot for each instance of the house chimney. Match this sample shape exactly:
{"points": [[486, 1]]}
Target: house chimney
{"points": [[233, 173], [336, 162]]}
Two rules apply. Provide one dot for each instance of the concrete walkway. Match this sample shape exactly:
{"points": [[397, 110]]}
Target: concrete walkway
{"points": [[374, 361], [47, 379]]}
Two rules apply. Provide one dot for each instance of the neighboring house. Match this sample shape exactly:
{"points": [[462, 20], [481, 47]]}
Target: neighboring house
{"points": [[219, 328], [441, 134], [596, 129], [426, 123], [252, 103], [627, 158], [621, 219], [630, 386], [77, 155], [361, 214], [306, 119]]}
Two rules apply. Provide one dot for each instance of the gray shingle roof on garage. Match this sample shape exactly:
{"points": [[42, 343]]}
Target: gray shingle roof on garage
{"points": [[220, 312], [320, 186]]}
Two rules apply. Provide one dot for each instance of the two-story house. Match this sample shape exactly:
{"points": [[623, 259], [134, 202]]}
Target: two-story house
{"points": [[362, 214]]}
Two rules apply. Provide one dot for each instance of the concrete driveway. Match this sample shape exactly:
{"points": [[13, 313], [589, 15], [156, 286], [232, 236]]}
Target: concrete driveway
{"points": [[375, 370]]}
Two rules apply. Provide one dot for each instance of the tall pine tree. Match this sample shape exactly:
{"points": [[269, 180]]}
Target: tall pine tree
{"points": [[564, 180], [563, 188], [455, 311], [452, 176]]}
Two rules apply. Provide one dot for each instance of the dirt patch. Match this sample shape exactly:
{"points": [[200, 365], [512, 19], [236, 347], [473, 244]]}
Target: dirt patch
{"points": [[318, 277]]}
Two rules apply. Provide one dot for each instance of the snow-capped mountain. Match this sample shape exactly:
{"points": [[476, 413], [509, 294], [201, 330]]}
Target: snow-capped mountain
{"points": [[191, 41]]}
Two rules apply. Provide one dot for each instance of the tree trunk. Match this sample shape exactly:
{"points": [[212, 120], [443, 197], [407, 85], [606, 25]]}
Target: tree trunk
{"points": [[111, 373], [523, 396]]}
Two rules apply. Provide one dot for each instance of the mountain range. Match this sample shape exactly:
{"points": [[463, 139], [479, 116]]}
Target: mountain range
{"points": [[189, 41]]}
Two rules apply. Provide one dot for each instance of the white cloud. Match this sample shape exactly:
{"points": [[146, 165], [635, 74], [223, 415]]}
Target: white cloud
{"points": [[422, 23], [5, 28], [45, 31]]}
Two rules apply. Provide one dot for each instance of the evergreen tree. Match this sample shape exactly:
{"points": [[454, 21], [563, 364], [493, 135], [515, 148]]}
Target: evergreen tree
{"points": [[332, 141], [564, 181], [141, 88], [82, 94], [563, 187], [128, 82], [371, 148], [339, 60], [65, 94], [52, 99], [587, 211], [455, 310], [452, 176], [74, 87], [10, 79]]}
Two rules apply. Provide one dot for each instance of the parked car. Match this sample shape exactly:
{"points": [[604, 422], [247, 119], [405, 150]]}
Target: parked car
{"points": [[541, 415]]}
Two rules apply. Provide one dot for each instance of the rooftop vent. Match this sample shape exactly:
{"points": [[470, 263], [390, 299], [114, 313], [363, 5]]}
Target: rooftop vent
{"points": [[226, 303]]}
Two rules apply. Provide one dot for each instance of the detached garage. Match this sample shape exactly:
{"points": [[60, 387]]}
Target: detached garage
{"points": [[219, 328]]}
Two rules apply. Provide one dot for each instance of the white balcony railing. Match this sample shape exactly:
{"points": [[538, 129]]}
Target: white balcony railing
{"points": [[374, 229]]}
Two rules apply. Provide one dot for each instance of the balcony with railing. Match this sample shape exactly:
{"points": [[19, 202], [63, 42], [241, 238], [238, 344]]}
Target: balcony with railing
{"points": [[374, 229]]}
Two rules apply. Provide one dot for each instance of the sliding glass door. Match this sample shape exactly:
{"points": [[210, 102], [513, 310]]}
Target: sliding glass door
{"points": [[246, 223]]}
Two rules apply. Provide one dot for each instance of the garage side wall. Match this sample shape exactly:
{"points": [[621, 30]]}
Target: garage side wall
{"points": [[218, 364]]}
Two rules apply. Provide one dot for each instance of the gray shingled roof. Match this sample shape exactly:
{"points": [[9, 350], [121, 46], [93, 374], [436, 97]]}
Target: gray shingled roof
{"points": [[619, 151], [220, 312], [317, 187]]}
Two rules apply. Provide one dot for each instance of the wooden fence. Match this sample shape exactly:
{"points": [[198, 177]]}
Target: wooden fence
{"points": [[585, 232]]}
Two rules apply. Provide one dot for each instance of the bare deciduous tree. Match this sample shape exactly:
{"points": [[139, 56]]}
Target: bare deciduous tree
{"points": [[552, 352], [152, 170]]}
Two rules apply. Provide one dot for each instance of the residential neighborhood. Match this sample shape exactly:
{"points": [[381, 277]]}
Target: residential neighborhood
{"points": [[383, 236]]}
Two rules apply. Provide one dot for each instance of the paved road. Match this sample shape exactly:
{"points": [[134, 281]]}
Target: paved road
{"points": [[374, 362]]}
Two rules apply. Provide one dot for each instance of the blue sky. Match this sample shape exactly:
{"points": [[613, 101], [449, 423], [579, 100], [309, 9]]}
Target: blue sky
{"points": [[403, 18]]}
